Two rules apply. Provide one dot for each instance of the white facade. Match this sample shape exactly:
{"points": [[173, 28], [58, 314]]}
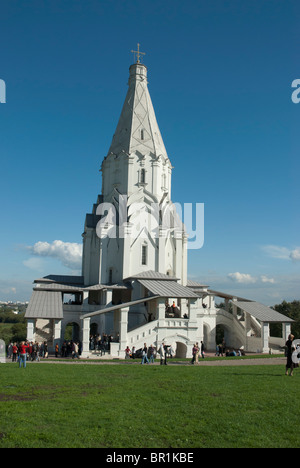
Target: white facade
{"points": [[136, 180]]}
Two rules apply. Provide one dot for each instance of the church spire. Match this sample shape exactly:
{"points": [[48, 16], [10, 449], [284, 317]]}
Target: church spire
{"points": [[137, 129], [137, 53]]}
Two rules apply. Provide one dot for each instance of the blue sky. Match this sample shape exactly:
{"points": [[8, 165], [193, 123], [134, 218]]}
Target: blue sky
{"points": [[220, 75]]}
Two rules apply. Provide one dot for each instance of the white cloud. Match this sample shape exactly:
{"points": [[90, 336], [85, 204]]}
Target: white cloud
{"points": [[8, 290], [295, 255], [265, 279], [283, 253], [242, 278], [276, 251], [70, 254], [245, 278], [34, 263]]}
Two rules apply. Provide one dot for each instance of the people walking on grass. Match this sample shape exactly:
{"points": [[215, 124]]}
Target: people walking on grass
{"points": [[195, 353], [9, 350], [22, 354], [15, 352], [202, 350], [151, 353], [127, 353], [145, 355], [163, 354], [223, 347], [75, 350], [290, 365]]}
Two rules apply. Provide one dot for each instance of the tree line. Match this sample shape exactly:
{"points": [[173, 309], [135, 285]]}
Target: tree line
{"points": [[12, 326]]}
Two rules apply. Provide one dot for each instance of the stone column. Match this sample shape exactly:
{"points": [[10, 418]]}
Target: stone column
{"points": [[123, 327], [86, 337], [57, 333], [161, 306], [286, 331], [31, 330], [265, 333], [193, 307]]}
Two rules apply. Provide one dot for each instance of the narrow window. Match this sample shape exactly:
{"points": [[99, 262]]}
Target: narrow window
{"points": [[144, 255], [142, 134], [143, 176], [110, 275]]}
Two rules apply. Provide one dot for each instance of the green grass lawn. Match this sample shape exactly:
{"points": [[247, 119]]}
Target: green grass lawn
{"points": [[133, 406]]}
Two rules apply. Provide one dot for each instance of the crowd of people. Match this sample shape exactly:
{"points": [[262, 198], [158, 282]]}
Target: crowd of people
{"points": [[102, 342], [25, 350], [34, 351], [148, 354]]}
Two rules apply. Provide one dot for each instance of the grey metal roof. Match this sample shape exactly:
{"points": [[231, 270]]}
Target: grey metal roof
{"points": [[228, 296], [45, 304], [168, 289], [99, 287], [194, 284], [262, 312], [67, 288], [61, 279], [119, 306], [154, 275], [58, 287]]}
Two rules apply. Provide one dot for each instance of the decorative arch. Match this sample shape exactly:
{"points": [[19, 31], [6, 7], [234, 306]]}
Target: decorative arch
{"points": [[75, 330], [182, 344]]}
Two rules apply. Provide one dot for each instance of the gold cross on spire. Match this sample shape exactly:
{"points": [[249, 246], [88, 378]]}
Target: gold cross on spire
{"points": [[138, 53]]}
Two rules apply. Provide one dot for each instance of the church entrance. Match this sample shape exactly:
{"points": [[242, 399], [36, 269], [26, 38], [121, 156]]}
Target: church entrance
{"points": [[181, 350]]}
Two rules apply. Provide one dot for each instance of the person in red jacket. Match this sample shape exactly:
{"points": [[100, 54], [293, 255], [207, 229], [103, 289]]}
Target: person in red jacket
{"points": [[22, 352], [15, 352]]}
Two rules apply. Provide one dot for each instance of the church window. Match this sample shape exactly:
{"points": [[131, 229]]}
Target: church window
{"points": [[142, 134], [144, 254], [110, 275], [143, 176]]}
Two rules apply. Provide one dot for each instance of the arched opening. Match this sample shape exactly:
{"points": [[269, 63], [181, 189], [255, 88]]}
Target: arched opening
{"points": [[220, 334], [181, 350], [94, 329], [226, 337], [206, 336], [71, 332]]}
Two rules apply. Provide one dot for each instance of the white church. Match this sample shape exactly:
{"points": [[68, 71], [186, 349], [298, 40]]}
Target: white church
{"points": [[135, 260]]}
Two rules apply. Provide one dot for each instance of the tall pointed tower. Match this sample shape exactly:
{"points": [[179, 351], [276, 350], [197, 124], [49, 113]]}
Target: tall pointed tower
{"points": [[143, 231]]}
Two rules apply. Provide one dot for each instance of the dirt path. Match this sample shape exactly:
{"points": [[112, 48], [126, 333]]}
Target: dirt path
{"points": [[202, 363]]}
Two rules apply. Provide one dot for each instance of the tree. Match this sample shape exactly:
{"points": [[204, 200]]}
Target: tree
{"points": [[291, 310], [19, 331]]}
